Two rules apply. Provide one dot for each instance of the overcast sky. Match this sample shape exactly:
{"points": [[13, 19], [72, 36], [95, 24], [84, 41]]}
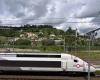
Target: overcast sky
{"points": [[59, 13]]}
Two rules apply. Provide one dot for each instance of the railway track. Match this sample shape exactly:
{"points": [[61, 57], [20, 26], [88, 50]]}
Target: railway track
{"points": [[97, 76], [30, 77], [18, 77]]}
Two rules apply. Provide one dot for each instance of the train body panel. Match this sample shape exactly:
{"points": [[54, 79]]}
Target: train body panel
{"points": [[43, 62]]}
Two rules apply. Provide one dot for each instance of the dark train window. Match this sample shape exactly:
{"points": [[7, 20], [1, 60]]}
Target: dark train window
{"points": [[30, 63], [48, 56], [75, 60]]}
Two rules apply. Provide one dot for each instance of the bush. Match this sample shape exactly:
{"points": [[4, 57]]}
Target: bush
{"points": [[23, 42], [23, 46], [52, 48], [48, 42]]}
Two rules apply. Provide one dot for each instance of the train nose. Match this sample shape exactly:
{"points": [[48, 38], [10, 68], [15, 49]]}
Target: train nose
{"points": [[92, 69]]}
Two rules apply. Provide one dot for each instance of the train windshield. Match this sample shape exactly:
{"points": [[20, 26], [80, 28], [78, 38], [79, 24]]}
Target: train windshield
{"points": [[75, 60]]}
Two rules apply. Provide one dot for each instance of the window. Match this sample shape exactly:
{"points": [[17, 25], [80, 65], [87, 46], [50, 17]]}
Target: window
{"points": [[75, 60], [6, 63], [48, 56]]}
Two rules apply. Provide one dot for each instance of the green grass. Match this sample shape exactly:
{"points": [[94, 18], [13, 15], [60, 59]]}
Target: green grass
{"points": [[87, 55], [97, 72]]}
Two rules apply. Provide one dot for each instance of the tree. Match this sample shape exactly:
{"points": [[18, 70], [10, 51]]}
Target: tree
{"points": [[70, 31], [70, 38]]}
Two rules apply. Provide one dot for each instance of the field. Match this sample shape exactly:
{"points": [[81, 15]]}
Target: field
{"points": [[92, 55]]}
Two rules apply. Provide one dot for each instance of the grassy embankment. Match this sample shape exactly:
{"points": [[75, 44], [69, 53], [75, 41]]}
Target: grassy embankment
{"points": [[92, 55]]}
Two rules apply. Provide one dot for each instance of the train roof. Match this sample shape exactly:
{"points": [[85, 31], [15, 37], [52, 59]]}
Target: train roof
{"points": [[45, 55], [32, 53]]}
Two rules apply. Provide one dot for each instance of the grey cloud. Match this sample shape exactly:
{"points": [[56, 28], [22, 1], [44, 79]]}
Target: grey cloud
{"points": [[41, 8], [23, 8], [55, 12], [96, 20], [0, 22], [85, 30], [91, 8]]}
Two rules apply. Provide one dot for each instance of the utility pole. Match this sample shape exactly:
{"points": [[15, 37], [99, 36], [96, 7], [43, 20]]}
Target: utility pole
{"points": [[89, 56], [13, 44], [90, 34], [75, 40], [64, 42]]}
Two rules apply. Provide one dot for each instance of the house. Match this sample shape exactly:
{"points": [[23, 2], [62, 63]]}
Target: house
{"points": [[29, 35]]}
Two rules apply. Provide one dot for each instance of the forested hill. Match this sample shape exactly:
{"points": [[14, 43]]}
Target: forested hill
{"points": [[13, 31]]}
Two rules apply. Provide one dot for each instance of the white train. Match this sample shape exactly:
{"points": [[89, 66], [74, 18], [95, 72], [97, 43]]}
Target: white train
{"points": [[43, 62]]}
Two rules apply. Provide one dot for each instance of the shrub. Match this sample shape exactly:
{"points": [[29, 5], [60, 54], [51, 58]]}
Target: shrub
{"points": [[23, 42], [48, 42]]}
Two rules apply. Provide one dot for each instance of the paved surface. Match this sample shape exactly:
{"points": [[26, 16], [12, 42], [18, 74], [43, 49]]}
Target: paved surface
{"points": [[97, 67]]}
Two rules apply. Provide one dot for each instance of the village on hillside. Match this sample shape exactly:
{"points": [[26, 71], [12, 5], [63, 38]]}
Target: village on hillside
{"points": [[44, 38]]}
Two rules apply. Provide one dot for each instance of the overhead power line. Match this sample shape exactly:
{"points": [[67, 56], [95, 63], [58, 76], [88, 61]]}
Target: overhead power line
{"points": [[40, 18], [46, 21], [90, 32]]}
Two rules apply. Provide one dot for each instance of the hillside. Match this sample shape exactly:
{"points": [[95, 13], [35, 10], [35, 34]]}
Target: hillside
{"points": [[43, 37]]}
